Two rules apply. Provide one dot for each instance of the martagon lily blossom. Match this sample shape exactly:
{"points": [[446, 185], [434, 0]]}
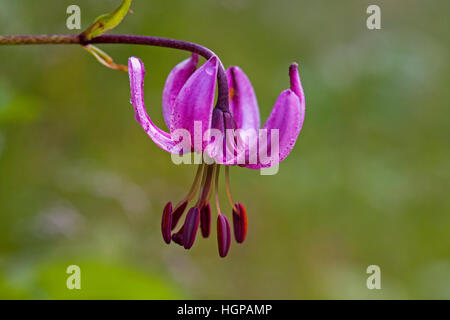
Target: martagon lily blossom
{"points": [[196, 125], [188, 104]]}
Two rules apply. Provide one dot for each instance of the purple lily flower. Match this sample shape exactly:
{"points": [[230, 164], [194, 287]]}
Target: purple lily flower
{"points": [[187, 104]]}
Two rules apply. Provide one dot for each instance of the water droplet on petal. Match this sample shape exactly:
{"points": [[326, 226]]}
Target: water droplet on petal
{"points": [[210, 71]]}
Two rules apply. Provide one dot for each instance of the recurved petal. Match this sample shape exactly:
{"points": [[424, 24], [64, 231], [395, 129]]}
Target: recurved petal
{"points": [[296, 83], [136, 73], [175, 81], [243, 103], [287, 119], [194, 103]]}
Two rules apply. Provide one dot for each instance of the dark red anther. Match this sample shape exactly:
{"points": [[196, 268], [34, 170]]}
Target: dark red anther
{"points": [[205, 220], [239, 222], [166, 223], [178, 237], [223, 235], [177, 213], [190, 227]]}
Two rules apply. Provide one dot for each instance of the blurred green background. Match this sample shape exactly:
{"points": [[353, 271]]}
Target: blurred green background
{"points": [[367, 183]]}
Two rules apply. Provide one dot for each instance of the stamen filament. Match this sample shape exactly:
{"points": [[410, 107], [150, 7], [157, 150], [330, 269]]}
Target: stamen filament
{"points": [[205, 186], [217, 190], [209, 192], [195, 185], [194, 188], [227, 186]]}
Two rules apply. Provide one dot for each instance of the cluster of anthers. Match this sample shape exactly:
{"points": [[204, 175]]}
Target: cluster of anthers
{"points": [[206, 179]]}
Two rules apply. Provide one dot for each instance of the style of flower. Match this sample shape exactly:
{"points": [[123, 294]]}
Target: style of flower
{"points": [[188, 100]]}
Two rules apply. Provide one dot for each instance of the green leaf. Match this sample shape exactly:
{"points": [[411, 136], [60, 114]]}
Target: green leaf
{"points": [[108, 21]]}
